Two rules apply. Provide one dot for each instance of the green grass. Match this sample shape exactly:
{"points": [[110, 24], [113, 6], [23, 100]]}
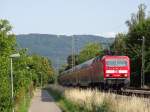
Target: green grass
{"points": [[24, 105], [81, 100], [63, 103], [69, 106]]}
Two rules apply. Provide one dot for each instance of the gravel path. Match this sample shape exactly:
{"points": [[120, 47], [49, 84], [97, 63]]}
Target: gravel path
{"points": [[43, 102]]}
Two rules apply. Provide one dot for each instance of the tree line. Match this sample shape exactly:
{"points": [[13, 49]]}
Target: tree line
{"points": [[131, 44], [90, 51], [29, 71]]}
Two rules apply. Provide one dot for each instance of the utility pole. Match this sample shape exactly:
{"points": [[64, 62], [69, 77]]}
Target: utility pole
{"points": [[12, 78], [12, 84], [57, 71], [57, 67], [73, 56], [41, 80], [108, 47], [76, 49], [143, 63]]}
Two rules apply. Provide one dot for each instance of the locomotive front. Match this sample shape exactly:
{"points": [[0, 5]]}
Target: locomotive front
{"points": [[116, 71]]}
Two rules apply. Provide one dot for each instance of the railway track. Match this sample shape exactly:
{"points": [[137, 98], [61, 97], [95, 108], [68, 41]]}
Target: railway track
{"points": [[133, 92], [139, 92]]}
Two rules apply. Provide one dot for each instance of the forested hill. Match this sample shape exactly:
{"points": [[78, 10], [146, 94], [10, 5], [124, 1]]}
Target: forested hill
{"points": [[57, 48]]}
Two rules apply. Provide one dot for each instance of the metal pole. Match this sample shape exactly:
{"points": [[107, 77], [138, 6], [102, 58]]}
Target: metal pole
{"points": [[41, 80], [57, 71], [57, 67], [108, 47], [72, 52], [143, 63], [12, 85], [76, 50]]}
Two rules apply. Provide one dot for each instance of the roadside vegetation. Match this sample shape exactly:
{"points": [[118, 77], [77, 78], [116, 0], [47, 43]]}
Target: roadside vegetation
{"points": [[29, 72], [87, 100]]}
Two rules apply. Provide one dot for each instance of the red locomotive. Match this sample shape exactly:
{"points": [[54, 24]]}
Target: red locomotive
{"points": [[105, 72]]}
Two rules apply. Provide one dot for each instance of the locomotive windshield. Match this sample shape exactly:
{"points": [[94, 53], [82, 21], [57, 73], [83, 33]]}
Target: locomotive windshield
{"points": [[116, 63]]}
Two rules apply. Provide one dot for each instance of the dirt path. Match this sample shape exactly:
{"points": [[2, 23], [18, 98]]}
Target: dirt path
{"points": [[43, 102]]}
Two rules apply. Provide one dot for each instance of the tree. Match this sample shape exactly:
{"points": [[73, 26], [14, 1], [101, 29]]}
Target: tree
{"points": [[90, 51], [42, 67], [72, 60], [7, 46], [136, 32], [139, 26], [28, 70], [137, 18], [119, 45], [7, 40]]}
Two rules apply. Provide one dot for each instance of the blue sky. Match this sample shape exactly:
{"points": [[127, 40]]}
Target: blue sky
{"points": [[99, 17]]}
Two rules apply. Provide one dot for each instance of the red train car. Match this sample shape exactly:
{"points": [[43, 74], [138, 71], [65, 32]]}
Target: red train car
{"points": [[108, 71]]}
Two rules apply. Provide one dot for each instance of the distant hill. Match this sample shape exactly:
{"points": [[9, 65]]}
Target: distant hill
{"points": [[57, 48]]}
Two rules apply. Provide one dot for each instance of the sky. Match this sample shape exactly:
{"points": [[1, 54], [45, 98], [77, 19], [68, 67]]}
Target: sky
{"points": [[69, 17]]}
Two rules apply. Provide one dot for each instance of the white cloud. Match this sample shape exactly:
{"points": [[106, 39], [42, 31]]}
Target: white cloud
{"points": [[109, 34]]}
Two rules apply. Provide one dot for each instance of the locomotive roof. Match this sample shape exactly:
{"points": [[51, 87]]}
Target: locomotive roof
{"points": [[85, 64], [108, 57]]}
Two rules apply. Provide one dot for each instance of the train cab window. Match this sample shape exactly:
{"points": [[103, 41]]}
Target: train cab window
{"points": [[122, 63], [116, 63]]}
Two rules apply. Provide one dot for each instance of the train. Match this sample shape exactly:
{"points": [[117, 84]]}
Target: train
{"points": [[104, 72]]}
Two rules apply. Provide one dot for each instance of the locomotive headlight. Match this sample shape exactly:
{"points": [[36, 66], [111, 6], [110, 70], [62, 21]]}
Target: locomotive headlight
{"points": [[107, 75], [125, 75]]}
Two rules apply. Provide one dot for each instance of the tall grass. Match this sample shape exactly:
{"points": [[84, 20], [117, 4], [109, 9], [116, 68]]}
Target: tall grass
{"points": [[96, 101], [23, 105]]}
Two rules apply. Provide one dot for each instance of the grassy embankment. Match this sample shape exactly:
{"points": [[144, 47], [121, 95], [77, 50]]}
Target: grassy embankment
{"points": [[24, 105], [78, 100], [24, 99]]}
